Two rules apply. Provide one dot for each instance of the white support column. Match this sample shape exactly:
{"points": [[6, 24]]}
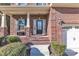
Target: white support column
{"points": [[28, 20], [44, 27], [34, 26], [3, 21]]}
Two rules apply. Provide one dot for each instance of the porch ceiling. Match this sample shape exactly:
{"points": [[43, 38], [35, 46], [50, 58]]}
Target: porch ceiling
{"points": [[24, 10], [72, 5]]}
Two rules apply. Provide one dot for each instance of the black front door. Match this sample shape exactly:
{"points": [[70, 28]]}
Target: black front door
{"points": [[39, 26]]}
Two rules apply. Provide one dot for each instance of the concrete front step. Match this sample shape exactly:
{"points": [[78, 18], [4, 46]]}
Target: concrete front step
{"points": [[37, 42], [39, 50]]}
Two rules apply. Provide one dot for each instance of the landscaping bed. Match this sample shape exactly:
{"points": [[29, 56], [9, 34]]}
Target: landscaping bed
{"points": [[12, 46], [13, 49]]}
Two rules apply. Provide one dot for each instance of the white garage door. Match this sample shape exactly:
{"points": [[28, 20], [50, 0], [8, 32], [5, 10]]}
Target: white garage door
{"points": [[71, 36]]}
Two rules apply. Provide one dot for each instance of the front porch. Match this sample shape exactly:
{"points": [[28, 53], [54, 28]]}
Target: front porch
{"points": [[32, 32], [30, 26]]}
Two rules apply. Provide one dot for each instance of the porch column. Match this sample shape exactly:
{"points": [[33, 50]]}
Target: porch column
{"points": [[28, 25], [44, 27], [3, 21], [28, 20], [3, 25]]}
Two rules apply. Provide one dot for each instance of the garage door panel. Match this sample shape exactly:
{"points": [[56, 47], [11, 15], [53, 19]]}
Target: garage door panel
{"points": [[71, 36]]}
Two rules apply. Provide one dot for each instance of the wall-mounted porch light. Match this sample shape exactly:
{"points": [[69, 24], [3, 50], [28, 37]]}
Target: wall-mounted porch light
{"points": [[61, 21]]}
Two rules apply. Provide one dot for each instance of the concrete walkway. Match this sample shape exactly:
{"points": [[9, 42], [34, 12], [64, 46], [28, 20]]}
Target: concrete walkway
{"points": [[77, 50], [39, 50], [72, 52]]}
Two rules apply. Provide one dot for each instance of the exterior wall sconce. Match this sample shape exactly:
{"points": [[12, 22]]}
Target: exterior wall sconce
{"points": [[61, 21]]}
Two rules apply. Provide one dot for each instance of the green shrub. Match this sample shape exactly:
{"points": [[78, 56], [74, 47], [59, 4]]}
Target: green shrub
{"points": [[13, 49], [8, 39], [58, 49], [11, 39]]}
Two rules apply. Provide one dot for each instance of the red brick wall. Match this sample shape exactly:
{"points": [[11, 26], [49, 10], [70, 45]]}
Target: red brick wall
{"points": [[54, 30], [3, 31], [52, 25], [12, 25], [13, 28], [24, 39], [68, 15]]}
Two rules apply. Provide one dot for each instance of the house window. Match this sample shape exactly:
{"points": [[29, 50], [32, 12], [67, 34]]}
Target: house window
{"points": [[21, 4], [21, 23], [40, 4]]}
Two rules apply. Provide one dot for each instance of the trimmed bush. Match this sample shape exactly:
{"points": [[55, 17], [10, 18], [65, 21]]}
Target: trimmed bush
{"points": [[8, 39], [57, 49], [11, 39], [14, 49]]}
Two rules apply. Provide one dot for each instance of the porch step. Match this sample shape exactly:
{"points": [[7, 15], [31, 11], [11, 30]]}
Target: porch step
{"points": [[37, 39], [37, 42]]}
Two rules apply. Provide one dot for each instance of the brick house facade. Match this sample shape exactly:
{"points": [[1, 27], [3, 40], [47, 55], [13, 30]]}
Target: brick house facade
{"points": [[27, 21], [44, 24], [65, 24]]}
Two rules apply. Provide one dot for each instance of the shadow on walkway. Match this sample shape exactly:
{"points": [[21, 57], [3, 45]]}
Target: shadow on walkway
{"points": [[35, 52], [71, 52]]}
